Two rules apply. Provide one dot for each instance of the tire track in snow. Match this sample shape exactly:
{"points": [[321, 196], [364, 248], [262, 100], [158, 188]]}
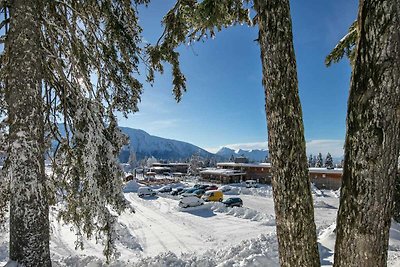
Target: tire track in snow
{"points": [[161, 230]]}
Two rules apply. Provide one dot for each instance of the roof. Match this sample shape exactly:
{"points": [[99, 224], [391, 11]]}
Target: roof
{"points": [[325, 170], [160, 168], [253, 165], [225, 172]]}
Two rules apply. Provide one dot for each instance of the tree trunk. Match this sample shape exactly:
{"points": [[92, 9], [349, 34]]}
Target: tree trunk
{"points": [[29, 222], [291, 185], [372, 140]]}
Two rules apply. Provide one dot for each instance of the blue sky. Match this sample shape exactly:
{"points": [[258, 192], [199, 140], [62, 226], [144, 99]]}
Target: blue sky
{"points": [[224, 103]]}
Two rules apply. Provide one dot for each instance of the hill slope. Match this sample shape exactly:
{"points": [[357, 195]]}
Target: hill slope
{"points": [[146, 145]]}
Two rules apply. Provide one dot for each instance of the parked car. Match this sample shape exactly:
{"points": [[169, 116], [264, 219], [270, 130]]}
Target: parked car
{"points": [[165, 189], [211, 187], [213, 195], [176, 191], [199, 193], [251, 183], [233, 202], [145, 191], [188, 192], [225, 188], [190, 201], [201, 186]]}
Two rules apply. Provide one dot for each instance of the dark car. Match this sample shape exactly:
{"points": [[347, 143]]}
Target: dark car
{"points": [[188, 190], [165, 189], [233, 202], [211, 187], [199, 192], [176, 191], [201, 186]]}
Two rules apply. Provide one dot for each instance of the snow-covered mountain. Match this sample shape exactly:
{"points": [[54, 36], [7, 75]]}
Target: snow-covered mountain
{"points": [[146, 145], [258, 155]]}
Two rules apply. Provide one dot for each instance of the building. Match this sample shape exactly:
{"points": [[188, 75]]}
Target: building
{"points": [[226, 172], [324, 178], [170, 167], [260, 172], [222, 176]]}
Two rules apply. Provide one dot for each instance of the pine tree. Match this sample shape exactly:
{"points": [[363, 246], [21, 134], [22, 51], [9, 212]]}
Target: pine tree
{"points": [[372, 144], [311, 162], [190, 21], [328, 161], [320, 161], [73, 62]]}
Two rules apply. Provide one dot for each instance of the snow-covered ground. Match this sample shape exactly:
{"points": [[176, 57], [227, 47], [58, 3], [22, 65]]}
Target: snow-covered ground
{"points": [[162, 234]]}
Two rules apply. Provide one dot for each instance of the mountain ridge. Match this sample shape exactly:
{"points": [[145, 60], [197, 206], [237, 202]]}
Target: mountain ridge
{"points": [[145, 145]]}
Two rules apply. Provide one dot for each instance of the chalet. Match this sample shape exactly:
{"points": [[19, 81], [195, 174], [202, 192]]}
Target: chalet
{"points": [[171, 167], [324, 178], [224, 176], [260, 172], [232, 172]]}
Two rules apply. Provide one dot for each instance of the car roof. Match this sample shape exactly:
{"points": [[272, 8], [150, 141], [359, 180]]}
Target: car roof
{"points": [[211, 191]]}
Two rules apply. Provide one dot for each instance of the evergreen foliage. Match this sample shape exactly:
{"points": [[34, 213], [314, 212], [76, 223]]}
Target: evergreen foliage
{"points": [[311, 161], [328, 161], [320, 161], [90, 54], [345, 47]]}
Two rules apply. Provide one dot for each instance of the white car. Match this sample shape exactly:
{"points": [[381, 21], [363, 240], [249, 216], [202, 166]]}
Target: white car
{"points": [[225, 188], [251, 183], [190, 202], [145, 191]]}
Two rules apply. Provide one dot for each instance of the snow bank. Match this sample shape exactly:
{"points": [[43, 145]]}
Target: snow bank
{"points": [[265, 191], [261, 251], [131, 186], [322, 205], [316, 192], [244, 213]]}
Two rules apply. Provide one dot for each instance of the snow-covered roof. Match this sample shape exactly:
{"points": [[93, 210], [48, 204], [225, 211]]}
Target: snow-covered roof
{"points": [[160, 168], [325, 170], [253, 165], [226, 172]]}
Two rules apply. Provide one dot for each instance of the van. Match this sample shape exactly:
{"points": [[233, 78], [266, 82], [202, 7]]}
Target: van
{"points": [[251, 183], [145, 191], [213, 195], [190, 202]]}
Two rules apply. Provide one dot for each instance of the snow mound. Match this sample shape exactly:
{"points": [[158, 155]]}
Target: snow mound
{"points": [[323, 205], [244, 213], [237, 189], [88, 261], [265, 191], [315, 191], [131, 186], [261, 251], [126, 238]]}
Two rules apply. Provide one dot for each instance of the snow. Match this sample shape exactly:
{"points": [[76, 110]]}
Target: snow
{"points": [[160, 233]]}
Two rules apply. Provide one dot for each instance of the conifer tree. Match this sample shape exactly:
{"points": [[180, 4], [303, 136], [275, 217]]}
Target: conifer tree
{"points": [[372, 144], [311, 161], [192, 20], [320, 161], [328, 161], [73, 62]]}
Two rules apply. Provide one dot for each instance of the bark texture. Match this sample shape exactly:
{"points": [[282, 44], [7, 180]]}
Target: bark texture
{"points": [[29, 222], [291, 186], [372, 139]]}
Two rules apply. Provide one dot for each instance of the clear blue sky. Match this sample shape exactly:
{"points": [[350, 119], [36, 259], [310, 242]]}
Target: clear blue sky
{"points": [[224, 104]]}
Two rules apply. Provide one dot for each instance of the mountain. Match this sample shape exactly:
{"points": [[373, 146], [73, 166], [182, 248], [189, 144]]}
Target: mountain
{"points": [[257, 155], [146, 145]]}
